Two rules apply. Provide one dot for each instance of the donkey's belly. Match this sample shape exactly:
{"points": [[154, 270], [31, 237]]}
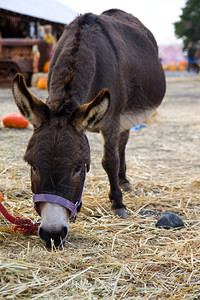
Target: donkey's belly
{"points": [[130, 119]]}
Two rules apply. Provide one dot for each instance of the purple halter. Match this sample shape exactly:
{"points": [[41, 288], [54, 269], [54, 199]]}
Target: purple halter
{"points": [[59, 200], [72, 207]]}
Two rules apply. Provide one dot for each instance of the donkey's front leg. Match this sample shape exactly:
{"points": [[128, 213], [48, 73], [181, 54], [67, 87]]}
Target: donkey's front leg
{"points": [[111, 164]]}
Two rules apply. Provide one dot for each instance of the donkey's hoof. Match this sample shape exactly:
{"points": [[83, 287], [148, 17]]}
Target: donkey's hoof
{"points": [[121, 212], [125, 185]]}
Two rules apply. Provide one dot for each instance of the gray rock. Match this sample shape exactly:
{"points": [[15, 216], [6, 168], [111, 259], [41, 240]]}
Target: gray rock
{"points": [[169, 220]]}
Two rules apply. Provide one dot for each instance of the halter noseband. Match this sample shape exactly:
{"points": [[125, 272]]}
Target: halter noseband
{"points": [[72, 207], [59, 200]]}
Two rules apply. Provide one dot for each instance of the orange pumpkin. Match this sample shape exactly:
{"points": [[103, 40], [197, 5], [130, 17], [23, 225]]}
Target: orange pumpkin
{"points": [[184, 63], [182, 68], [172, 68], [165, 67], [1, 197], [42, 83], [15, 120], [46, 67]]}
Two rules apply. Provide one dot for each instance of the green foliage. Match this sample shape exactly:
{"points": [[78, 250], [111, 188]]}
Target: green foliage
{"points": [[188, 28]]}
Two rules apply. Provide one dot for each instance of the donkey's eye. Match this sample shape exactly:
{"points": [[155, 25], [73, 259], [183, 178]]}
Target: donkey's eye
{"points": [[77, 170]]}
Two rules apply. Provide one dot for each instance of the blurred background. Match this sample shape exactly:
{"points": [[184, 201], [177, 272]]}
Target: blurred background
{"points": [[29, 31]]}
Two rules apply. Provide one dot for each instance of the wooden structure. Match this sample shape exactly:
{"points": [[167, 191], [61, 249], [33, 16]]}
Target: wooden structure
{"points": [[16, 56], [20, 29], [16, 25]]}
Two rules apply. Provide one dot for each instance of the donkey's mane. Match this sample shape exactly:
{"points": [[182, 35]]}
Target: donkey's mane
{"points": [[87, 19], [68, 70]]}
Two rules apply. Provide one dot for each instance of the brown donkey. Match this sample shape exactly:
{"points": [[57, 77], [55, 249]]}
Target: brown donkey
{"points": [[105, 76]]}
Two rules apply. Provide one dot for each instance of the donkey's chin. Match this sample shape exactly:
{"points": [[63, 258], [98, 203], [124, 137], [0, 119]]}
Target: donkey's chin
{"points": [[54, 227], [53, 239]]}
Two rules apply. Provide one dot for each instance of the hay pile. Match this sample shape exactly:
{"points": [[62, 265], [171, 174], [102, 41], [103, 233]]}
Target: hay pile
{"points": [[105, 257]]}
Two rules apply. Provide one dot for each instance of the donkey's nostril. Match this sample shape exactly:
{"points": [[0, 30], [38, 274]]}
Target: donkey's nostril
{"points": [[57, 237], [64, 233], [42, 233]]}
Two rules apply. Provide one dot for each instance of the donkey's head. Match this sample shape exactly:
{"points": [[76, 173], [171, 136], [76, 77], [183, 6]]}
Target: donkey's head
{"points": [[58, 154]]}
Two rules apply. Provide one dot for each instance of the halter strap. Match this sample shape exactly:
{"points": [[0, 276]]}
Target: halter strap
{"points": [[72, 207], [58, 200]]}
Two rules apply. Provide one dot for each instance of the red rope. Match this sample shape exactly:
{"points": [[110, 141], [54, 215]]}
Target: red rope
{"points": [[23, 226]]}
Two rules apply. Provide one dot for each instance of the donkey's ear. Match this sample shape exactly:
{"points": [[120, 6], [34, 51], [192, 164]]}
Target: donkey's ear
{"points": [[87, 116], [32, 108]]}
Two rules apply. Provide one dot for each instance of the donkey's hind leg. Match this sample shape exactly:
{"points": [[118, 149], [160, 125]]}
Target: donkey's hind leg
{"points": [[123, 181]]}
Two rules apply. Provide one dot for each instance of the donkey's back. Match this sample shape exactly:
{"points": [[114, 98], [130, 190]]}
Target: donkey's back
{"points": [[113, 50]]}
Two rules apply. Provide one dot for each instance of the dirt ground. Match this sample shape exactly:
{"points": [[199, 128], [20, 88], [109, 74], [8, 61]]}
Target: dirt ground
{"points": [[163, 166]]}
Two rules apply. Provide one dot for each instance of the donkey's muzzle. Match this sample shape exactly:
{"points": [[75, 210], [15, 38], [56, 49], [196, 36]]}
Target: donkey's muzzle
{"points": [[53, 238]]}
